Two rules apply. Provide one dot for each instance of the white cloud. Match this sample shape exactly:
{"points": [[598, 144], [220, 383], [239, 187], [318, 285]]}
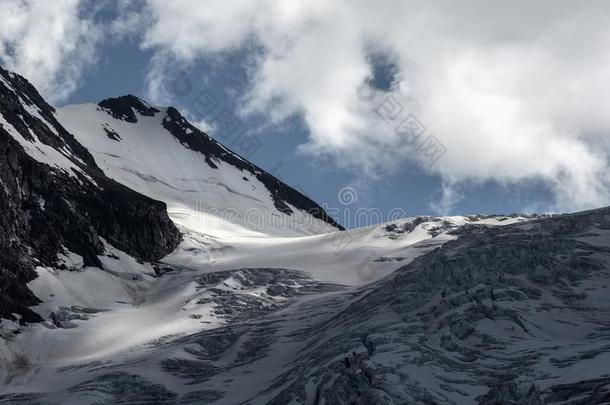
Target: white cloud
{"points": [[515, 91], [49, 42], [449, 198]]}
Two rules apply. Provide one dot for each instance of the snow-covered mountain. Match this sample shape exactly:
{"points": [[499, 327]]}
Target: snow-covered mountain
{"points": [[142, 262], [108, 170], [157, 152]]}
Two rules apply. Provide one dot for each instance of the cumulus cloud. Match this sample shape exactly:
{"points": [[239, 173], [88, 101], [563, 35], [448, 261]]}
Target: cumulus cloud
{"points": [[512, 91], [49, 42]]}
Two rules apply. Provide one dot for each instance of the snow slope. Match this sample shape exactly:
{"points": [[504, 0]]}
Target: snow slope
{"points": [[206, 187]]}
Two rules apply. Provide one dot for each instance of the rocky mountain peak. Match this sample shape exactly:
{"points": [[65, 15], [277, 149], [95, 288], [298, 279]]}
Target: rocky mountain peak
{"points": [[125, 107]]}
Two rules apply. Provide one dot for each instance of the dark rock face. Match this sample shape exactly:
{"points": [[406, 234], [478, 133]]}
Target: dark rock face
{"points": [[194, 139], [44, 210], [123, 108]]}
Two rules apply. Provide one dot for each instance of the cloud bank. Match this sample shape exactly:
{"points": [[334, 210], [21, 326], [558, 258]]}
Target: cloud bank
{"points": [[515, 91], [510, 92]]}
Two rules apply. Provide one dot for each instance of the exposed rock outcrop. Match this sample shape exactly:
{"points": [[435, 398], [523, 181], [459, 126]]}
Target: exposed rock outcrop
{"points": [[46, 208]]}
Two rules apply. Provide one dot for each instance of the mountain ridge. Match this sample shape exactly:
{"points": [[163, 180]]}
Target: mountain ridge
{"points": [[125, 107]]}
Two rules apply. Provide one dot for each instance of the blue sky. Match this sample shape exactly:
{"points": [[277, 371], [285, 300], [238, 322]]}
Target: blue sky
{"points": [[520, 129]]}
